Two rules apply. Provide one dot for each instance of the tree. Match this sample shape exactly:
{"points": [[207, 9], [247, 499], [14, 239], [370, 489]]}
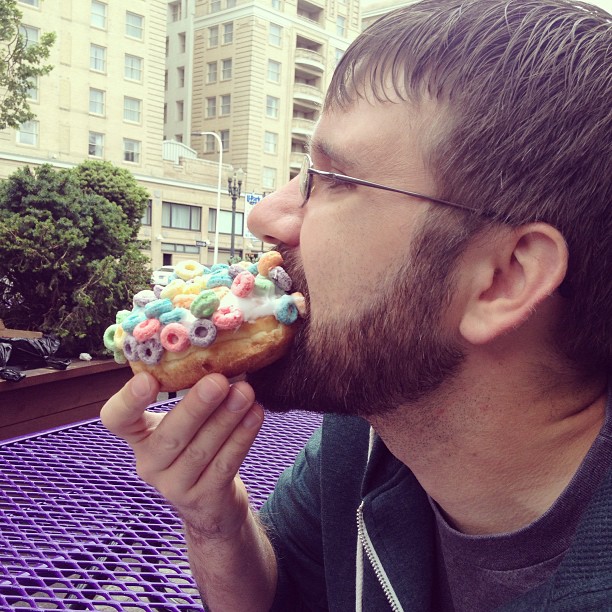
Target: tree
{"points": [[20, 62], [68, 255]]}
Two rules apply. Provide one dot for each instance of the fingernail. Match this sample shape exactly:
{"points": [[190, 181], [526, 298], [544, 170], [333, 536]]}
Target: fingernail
{"points": [[209, 390], [140, 385], [251, 420], [237, 400]]}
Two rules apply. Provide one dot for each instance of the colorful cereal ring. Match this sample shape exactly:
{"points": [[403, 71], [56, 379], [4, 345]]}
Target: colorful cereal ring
{"points": [[150, 351], [219, 279], [188, 269], [205, 304], [228, 317], [154, 309], [174, 316], [146, 330], [269, 260], [175, 337], [202, 333], [130, 349], [285, 310], [172, 289], [263, 286], [129, 323], [243, 284], [219, 267], [120, 337], [142, 298], [184, 300], [121, 315], [280, 278], [109, 337]]}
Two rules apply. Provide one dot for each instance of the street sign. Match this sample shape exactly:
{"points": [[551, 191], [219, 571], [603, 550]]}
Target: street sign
{"points": [[250, 199]]}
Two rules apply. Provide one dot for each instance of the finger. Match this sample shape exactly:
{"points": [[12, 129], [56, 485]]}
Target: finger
{"points": [[212, 436], [124, 413], [181, 424]]}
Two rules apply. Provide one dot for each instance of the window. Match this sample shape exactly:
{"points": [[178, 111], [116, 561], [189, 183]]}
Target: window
{"points": [[211, 108], [215, 6], [178, 137], [27, 133], [181, 216], [210, 146], [225, 222], [341, 25], [275, 35], [272, 106], [182, 38], [146, 215], [224, 134], [268, 179], [134, 25], [180, 110], [230, 4], [226, 69], [211, 72], [178, 248], [96, 144], [97, 58], [30, 2], [167, 45], [276, 5], [338, 55], [165, 114], [226, 104], [228, 33], [133, 67], [180, 75], [30, 34], [213, 36], [96, 101], [32, 93], [175, 10], [132, 109], [98, 15], [270, 142], [274, 71], [131, 150]]}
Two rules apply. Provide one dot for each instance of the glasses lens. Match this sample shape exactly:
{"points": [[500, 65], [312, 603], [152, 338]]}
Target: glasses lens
{"points": [[305, 178]]}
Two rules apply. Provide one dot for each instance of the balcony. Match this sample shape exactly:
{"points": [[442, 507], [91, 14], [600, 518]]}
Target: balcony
{"points": [[303, 127], [295, 160], [309, 60], [307, 95]]}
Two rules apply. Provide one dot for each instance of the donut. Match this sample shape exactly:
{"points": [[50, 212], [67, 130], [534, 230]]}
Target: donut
{"points": [[227, 319]]}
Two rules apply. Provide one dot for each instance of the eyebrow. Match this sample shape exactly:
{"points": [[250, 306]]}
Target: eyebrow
{"points": [[326, 149]]}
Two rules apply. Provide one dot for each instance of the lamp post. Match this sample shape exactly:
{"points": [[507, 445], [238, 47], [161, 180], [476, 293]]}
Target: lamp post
{"points": [[234, 183], [220, 143]]}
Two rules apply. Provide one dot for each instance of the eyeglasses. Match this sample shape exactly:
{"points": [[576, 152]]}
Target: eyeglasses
{"points": [[307, 172]]}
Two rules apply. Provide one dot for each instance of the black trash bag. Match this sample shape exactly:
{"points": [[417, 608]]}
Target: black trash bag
{"points": [[31, 353], [8, 373]]}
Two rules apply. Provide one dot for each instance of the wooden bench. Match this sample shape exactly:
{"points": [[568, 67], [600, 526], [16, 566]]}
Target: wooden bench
{"points": [[48, 398]]}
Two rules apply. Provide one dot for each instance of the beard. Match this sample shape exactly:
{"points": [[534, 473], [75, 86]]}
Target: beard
{"points": [[391, 352]]}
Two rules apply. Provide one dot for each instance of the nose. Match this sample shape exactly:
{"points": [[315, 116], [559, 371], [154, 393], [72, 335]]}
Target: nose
{"points": [[277, 218]]}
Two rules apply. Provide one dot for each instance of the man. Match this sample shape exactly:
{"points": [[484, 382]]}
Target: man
{"points": [[459, 340]]}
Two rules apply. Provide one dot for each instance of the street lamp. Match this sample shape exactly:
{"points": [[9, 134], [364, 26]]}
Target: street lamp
{"points": [[234, 183], [220, 143]]}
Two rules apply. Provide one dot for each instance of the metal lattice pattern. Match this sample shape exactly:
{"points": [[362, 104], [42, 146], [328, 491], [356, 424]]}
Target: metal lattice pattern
{"points": [[80, 531]]}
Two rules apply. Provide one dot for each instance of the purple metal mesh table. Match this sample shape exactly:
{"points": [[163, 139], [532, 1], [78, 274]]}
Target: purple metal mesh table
{"points": [[80, 531]]}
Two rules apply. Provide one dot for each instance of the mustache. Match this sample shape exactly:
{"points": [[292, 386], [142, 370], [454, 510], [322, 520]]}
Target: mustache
{"points": [[292, 263]]}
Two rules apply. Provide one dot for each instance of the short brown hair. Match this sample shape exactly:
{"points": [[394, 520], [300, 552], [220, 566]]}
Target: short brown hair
{"points": [[527, 88]]}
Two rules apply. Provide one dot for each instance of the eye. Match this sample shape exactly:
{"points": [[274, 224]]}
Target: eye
{"points": [[332, 182]]}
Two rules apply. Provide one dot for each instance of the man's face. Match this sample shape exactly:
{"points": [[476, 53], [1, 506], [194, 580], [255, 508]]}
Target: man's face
{"points": [[376, 289]]}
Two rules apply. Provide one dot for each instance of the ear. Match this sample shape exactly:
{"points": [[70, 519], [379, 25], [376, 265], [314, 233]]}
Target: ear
{"points": [[509, 277]]}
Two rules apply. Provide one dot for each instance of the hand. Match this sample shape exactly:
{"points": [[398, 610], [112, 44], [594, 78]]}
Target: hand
{"points": [[191, 454]]}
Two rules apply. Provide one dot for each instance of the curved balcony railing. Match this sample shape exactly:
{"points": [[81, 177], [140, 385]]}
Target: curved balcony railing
{"points": [[309, 58]]}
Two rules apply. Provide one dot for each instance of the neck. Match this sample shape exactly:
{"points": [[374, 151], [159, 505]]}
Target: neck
{"points": [[499, 459]]}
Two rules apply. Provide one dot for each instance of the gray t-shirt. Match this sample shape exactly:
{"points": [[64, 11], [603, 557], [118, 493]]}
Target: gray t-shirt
{"points": [[482, 573]]}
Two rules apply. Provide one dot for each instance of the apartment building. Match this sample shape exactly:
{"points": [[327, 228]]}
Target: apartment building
{"points": [[254, 72]]}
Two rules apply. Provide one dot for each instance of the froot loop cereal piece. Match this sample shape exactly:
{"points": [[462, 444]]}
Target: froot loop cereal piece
{"points": [[142, 298], [205, 304], [157, 290], [269, 260], [280, 278], [228, 317], [219, 279], [175, 337], [109, 337], [119, 357], [300, 303], [120, 337], [146, 329], [263, 286], [130, 349], [183, 300], [219, 267], [153, 309], [195, 286], [129, 323], [286, 311], [174, 316], [122, 315], [187, 270], [173, 288], [202, 333], [243, 284], [150, 351]]}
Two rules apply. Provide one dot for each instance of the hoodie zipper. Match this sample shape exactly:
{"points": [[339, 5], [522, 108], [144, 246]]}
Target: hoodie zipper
{"points": [[379, 570]]}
